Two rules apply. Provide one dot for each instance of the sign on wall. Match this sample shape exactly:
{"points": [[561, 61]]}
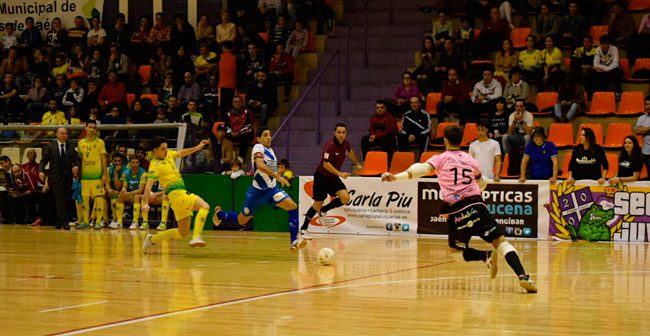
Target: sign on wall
{"points": [[45, 11]]}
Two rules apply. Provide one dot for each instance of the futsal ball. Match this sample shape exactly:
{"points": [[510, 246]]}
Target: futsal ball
{"points": [[326, 256]]}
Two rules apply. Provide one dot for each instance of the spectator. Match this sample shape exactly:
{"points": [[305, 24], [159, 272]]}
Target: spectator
{"points": [[382, 131], [23, 196], [204, 32], [484, 94], [97, 35], [140, 41], [210, 99], [323, 13], [56, 38], [280, 33], [192, 116], [494, 31], [39, 67], [455, 98], [521, 126], [114, 117], [113, 93], [546, 24], [531, 61], [182, 63], [120, 63], [465, 38], [606, 68], [644, 36], [226, 30], [263, 97], [270, 9], [74, 96], [13, 64], [517, 89], [622, 28], [36, 100], [630, 162], [205, 63], [642, 128], [573, 27], [297, 40], [174, 110], [10, 38], [227, 76], [31, 37], [182, 34], [416, 128], [582, 59], [160, 33], [77, 63], [141, 153], [588, 160], [441, 29], [252, 63], [91, 99], [97, 67], [552, 57], [487, 152], [235, 170], [542, 156], [449, 57], [425, 74], [140, 114], [189, 91], [119, 35], [404, 92], [161, 115], [428, 48], [283, 169], [77, 34], [10, 103], [6, 183], [239, 126], [223, 151], [498, 121], [61, 65], [282, 69], [571, 100], [506, 59], [59, 88]]}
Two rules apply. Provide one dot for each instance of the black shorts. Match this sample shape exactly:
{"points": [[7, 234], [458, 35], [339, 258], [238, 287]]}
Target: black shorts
{"points": [[326, 185], [472, 220]]}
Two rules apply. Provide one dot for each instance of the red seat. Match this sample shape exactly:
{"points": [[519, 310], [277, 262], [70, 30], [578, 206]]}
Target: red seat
{"points": [[470, 133], [561, 134], [565, 165], [151, 96], [638, 5], [631, 104], [426, 156], [545, 100], [504, 168], [612, 159], [130, 98], [145, 73], [433, 98], [518, 37], [602, 104], [376, 163], [401, 161], [616, 133], [597, 32]]}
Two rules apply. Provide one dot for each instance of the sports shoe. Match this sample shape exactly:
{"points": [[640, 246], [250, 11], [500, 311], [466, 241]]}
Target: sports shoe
{"points": [[215, 220], [198, 242], [147, 244], [115, 225], [102, 224], [298, 244], [491, 261], [305, 235], [73, 224], [144, 226], [133, 226], [528, 283], [162, 227], [321, 218], [81, 226], [38, 222]]}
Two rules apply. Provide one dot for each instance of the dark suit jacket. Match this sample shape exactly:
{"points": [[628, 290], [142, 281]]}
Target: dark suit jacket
{"points": [[60, 170]]}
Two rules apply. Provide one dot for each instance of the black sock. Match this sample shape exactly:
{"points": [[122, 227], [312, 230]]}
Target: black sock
{"points": [[308, 217], [513, 260], [332, 205], [470, 254]]}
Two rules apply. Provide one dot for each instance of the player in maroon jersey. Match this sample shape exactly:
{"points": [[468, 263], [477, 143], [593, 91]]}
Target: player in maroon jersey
{"points": [[327, 178]]}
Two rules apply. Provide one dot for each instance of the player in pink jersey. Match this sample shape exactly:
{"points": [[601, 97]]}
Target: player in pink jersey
{"points": [[461, 183]]}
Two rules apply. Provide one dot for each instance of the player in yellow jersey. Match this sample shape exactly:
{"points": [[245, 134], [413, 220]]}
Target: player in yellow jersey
{"points": [[163, 169], [93, 175]]}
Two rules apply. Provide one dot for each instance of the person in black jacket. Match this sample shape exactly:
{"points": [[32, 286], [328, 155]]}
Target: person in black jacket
{"points": [[416, 128], [263, 97], [64, 163], [587, 159]]}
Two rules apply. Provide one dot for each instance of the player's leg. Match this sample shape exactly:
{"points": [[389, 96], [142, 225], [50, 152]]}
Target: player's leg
{"points": [[115, 223], [462, 225], [98, 208], [136, 214], [292, 208], [254, 199], [182, 204], [137, 199], [164, 212], [309, 216], [119, 209], [336, 187], [202, 208], [505, 249], [84, 219]]}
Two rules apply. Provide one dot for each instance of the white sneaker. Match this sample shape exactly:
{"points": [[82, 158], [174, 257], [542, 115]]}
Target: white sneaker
{"points": [[115, 225], [198, 242], [133, 226], [321, 218], [73, 224], [304, 234], [215, 220], [102, 224], [298, 244], [147, 244], [492, 263]]}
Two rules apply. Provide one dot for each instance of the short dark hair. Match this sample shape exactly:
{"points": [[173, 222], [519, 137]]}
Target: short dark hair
{"points": [[5, 158], [284, 162], [454, 135], [482, 123], [157, 141], [117, 155], [605, 39], [91, 121], [340, 125], [647, 98], [380, 102]]}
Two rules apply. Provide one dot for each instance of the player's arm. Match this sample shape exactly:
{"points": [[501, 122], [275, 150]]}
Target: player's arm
{"points": [[189, 151], [330, 168], [147, 192], [104, 168], [353, 156], [141, 186], [261, 166], [414, 171]]}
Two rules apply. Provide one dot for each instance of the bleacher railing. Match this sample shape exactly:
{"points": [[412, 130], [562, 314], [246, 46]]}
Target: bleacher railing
{"points": [[364, 10]]}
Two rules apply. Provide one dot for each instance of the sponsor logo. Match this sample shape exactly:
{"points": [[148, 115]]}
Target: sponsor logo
{"points": [[518, 231], [246, 211], [328, 221], [389, 226], [398, 226], [406, 227], [510, 230], [528, 232], [465, 215]]}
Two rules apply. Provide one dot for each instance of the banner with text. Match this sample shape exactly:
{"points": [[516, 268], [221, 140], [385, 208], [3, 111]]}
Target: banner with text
{"points": [[595, 212], [43, 11], [375, 207], [514, 206]]}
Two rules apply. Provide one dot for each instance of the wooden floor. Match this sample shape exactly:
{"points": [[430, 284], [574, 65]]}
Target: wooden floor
{"points": [[243, 283]]}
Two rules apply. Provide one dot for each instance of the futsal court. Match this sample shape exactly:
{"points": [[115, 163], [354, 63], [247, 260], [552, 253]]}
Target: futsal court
{"points": [[249, 283]]}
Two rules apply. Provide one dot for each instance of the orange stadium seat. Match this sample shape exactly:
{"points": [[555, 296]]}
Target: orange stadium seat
{"points": [[215, 126], [631, 104], [470, 133], [151, 96], [561, 134], [145, 73], [640, 64], [602, 103], [477, 33], [565, 166], [440, 133], [264, 36], [638, 5], [130, 98], [597, 31], [401, 161], [433, 98], [505, 166], [616, 133], [644, 173], [598, 132], [518, 37], [426, 156], [624, 63], [376, 163], [612, 159], [545, 101]]}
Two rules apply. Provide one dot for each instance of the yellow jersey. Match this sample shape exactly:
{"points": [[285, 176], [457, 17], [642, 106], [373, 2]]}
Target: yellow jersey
{"points": [[91, 152], [166, 173]]}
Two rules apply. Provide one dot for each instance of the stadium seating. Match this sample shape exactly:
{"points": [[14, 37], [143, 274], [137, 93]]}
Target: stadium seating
{"points": [[440, 133], [561, 134], [602, 104], [130, 98], [401, 161], [505, 166], [631, 104], [470, 133], [433, 98], [597, 31], [616, 133], [151, 96], [598, 132], [638, 5], [565, 166], [545, 102], [612, 160], [518, 37], [145, 72], [376, 163]]}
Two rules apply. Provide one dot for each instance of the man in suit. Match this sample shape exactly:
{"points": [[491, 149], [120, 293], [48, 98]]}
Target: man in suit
{"points": [[64, 163]]}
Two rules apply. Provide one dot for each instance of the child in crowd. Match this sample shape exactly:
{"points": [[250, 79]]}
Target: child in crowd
{"points": [[283, 169], [235, 170]]}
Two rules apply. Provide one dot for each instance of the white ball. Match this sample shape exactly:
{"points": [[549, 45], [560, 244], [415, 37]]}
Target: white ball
{"points": [[326, 256]]}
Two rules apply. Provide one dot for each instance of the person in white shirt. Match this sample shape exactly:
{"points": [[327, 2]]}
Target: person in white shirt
{"points": [[520, 127], [607, 70], [485, 93], [10, 38], [487, 152]]}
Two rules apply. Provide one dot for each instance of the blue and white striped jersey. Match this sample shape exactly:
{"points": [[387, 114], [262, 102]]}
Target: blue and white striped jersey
{"points": [[261, 180]]}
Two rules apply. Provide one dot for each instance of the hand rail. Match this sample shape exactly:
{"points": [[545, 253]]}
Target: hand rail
{"points": [[364, 10], [298, 103]]}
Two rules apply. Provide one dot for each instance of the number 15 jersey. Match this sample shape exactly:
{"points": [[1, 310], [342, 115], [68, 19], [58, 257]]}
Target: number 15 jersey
{"points": [[457, 172]]}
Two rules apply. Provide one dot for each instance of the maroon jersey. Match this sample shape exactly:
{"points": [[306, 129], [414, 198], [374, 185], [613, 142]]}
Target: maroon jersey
{"points": [[334, 153]]}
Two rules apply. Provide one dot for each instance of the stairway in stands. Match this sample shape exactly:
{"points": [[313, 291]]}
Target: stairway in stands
{"points": [[390, 52]]}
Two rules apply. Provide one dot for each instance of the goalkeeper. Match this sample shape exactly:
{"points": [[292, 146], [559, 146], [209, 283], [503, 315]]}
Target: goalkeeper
{"points": [[461, 183]]}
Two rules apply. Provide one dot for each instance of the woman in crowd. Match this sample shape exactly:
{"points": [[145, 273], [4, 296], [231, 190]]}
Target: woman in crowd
{"points": [[588, 160], [630, 162]]}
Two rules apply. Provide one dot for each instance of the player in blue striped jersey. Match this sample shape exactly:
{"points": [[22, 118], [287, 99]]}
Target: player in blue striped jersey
{"points": [[264, 190]]}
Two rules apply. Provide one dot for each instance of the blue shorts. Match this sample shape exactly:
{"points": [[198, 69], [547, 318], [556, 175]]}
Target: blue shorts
{"points": [[255, 198]]}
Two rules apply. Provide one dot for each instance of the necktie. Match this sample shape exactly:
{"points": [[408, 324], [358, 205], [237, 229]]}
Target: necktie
{"points": [[62, 151]]}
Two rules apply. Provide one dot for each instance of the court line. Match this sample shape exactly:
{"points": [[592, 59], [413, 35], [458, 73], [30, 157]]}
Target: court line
{"points": [[71, 307], [253, 298]]}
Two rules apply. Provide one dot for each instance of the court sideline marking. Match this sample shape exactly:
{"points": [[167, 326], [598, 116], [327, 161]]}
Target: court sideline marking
{"points": [[75, 306]]}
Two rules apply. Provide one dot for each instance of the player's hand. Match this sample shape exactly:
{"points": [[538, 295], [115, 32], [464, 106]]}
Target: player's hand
{"points": [[344, 175], [104, 179], [387, 177], [145, 208], [283, 181], [601, 180], [552, 179], [614, 181], [570, 180], [522, 179], [204, 143], [359, 167], [46, 187], [497, 179], [41, 176]]}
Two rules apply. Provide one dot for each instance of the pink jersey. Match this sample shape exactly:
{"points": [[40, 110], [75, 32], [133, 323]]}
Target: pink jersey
{"points": [[457, 172]]}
